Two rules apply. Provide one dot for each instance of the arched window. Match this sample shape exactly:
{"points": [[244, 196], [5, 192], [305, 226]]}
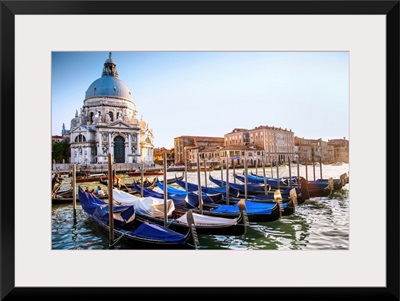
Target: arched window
{"points": [[91, 117], [80, 138], [111, 115]]}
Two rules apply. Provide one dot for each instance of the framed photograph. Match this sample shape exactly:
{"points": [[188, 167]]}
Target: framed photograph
{"points": [[33, 32]]}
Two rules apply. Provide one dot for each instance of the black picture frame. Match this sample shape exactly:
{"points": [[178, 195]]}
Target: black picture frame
{"points": [[9, 9]]}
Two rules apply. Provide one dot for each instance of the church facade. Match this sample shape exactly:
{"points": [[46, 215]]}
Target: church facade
{"points": [[108, 123]]}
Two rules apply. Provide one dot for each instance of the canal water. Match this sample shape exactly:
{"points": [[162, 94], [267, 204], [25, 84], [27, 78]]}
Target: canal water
{"points": [[320, 223]]}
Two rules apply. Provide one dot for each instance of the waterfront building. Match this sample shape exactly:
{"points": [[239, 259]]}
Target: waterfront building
{"points": [[159, 155], [277, 143], [108, 123], [235, 155], [331, 151], [185, 145], [340, 150]]}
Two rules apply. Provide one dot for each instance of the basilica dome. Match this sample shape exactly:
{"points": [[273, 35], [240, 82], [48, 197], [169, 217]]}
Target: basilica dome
{"points": [[109, 84]]}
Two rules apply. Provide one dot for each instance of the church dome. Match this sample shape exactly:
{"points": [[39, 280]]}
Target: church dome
{"points": [[109, 84]]}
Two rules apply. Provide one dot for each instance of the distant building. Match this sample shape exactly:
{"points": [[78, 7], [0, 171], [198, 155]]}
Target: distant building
{"points": [[276, 143], [56, 138], [335, 150], [340, 150], [183, 144], [261, 145], [107, 123], [159, 155]]}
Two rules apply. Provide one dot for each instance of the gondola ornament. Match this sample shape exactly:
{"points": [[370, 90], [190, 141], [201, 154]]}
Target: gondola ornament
{"points": [[278, 198], [293, 196], [330, 184]]}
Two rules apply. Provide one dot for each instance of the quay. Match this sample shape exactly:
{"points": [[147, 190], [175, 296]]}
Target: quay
{"points": [[91, 168]]}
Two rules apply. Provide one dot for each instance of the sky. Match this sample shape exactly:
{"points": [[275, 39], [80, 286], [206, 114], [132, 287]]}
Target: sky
{"points": [[212, 93]]}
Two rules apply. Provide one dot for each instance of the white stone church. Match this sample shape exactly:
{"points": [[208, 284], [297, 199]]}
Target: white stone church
{"points": [[107, 123]]}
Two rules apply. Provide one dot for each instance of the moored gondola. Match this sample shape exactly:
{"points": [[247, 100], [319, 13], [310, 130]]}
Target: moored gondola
{"points": [[152, 209], [141, 233]]}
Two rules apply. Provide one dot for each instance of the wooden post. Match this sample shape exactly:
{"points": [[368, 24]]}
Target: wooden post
{"points": [[110, 202], [265, 178], [142, 180], [277, 174], [270, 161], [313, 161], [199, 183], [227, 177], [205, 173], [245, 175], [233, 170], [74, 188], [306, 169], [320, 167], [222, 169], [298, 170], [165, 188], [186, 183], [290, 172]]}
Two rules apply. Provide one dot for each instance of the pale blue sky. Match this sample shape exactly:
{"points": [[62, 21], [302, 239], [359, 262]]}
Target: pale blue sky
{"points": [[211, 93]]}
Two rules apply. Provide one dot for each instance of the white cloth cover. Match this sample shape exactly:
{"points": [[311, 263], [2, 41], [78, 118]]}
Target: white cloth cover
{"points": [[148, 205], [203, 220]]}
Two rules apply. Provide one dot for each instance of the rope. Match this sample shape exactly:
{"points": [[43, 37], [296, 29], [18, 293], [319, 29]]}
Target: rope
{"points": [[117, 240], [193, 246]]}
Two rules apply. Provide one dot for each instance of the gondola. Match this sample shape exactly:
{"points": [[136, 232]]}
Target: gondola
{"points": [[281, 183], [152, 209], [302, 194], [146, 183], [213, 195], [171, 180], [141, 233], [89, 178], [145, 173], [211, 190], [284, 182], [66, 197], [256, 211], [128, 187], [252, 188], [288, 204], [337, 183]]}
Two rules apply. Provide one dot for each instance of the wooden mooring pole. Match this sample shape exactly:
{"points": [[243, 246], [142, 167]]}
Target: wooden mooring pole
{"points": [[227, 177], [110, 202], [264, 175], [74, 188], [165, 188], [245, 176], [320, 167], [199, 191]]}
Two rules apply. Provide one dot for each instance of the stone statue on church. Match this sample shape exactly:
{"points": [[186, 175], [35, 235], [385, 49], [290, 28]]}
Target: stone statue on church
{"points": [[96, 118], [108, 118]]}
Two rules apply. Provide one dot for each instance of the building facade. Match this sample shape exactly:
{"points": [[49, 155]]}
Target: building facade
{"points": [[184, 147], [107, 123], [277, 143]]}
